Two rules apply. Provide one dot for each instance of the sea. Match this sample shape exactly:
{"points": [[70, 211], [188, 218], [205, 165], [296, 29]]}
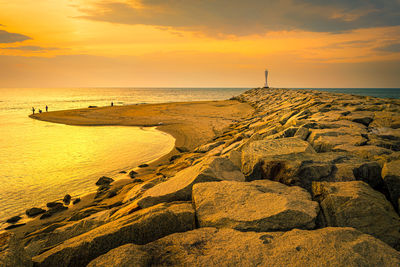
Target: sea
{"points": [[43, 161]]}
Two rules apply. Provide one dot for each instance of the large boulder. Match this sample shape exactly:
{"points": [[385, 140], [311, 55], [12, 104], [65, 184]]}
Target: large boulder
{"points": [[385, 137], [259, 206], [302, 133], [179, 187], [369, 172], [287, 116], [386, 119], [140, 227], [363, 117], [228, 247], [207, 147], [44, 239], [391, 176], [256, 152], [304, 168], [356, 204], [366, 152], [327, 136], [12, 253], [324, 140], [137, 191]]}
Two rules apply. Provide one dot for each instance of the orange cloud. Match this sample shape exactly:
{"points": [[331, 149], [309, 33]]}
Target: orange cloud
{"points": [[10, 37], [200, 43], [237, 17]]}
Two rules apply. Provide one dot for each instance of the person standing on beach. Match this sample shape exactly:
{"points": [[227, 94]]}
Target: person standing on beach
{"points": [[112, 104], [33, 110], [47, 108]]}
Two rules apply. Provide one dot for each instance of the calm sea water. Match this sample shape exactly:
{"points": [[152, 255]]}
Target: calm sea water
{"points": [[41, 161], [376, 92]]}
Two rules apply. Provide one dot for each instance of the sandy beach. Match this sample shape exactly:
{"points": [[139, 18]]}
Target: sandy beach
{"points": [[190, 123]]}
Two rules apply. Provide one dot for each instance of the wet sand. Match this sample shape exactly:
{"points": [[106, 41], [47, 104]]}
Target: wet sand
{"points": [[190, 123]]}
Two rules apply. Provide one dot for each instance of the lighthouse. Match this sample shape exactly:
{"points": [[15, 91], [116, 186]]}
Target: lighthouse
{"points": [[266, 79]]}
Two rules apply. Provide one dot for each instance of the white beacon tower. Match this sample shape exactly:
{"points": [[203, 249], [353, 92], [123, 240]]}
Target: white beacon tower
{"points": [[266, 79]]}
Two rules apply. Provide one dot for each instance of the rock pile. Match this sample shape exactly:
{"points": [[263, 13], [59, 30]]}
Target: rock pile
{"points": [[311, 179]]}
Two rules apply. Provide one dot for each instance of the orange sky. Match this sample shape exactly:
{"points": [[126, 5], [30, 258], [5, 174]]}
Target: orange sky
{"points": [[171, 43]]}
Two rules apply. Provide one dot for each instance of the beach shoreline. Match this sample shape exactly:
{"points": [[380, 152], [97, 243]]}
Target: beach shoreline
{"points": [[190, 123], [181, 120]]}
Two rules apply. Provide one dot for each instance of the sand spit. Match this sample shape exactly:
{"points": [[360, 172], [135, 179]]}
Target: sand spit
{"points": [[303, 178], [191, 123]]}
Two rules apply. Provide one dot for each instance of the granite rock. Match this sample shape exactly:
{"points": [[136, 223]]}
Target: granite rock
{"points": [[140, 227], [259, 206], [228, 247], [356, 204], [179, 187]]}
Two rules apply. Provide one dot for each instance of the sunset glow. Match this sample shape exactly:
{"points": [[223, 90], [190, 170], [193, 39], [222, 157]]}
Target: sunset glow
{"points": [[304, 43]]}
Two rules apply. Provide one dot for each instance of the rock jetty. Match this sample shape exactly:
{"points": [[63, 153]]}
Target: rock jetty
{"points": [[309, 179]]}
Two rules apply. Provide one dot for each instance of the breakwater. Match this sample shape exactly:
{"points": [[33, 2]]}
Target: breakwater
{"points": [[309, 179]]}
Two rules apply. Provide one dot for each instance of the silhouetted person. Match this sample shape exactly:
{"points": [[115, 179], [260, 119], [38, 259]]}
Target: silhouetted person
{"points": [[47, 108], [33, 110], [112, 104], [40, 111]]}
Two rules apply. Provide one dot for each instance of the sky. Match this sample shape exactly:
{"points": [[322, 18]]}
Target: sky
{"points": [[199, 43]]}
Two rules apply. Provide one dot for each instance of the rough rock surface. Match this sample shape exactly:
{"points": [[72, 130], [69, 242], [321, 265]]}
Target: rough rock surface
{"points": [[179, 187], [137, 190], [12, 253], [260, 206], [256, 152], [43, 240], [207, 147], [227, 247], [303, 169], [391, 176], [140, 227], [335, 134], [355, 204]]}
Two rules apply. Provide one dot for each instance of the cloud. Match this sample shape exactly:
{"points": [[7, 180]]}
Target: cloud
{"points": [[238, 17], [9, 37], [32, 48], [350, 44], [393, 48]]}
